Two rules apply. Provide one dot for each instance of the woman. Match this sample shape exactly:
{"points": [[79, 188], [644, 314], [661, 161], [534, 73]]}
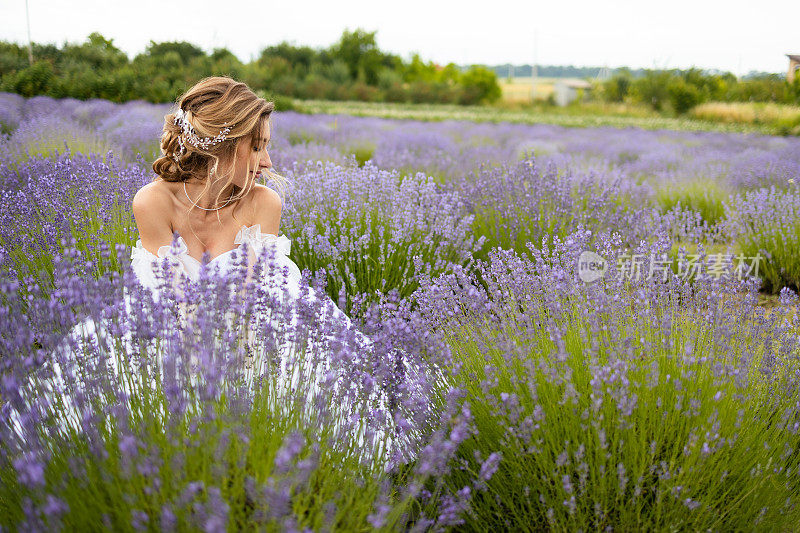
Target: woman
{"points": [[205, 213], [214, 148]]}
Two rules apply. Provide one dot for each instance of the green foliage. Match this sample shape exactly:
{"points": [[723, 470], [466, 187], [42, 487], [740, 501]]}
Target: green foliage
{"points": [[363, 153], [684, 89], [391, 83], [706, 197], [651, 89], [353, 68], [282, 103], [13, 58], [616, 89], [358, 50], [481, 84], [185, 51], [682, 95], [38, 78], [420, 71], [97, 52]]}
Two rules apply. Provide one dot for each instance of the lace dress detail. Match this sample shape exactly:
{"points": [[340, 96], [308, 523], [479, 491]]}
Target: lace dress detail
{"points": [[145, 263]]}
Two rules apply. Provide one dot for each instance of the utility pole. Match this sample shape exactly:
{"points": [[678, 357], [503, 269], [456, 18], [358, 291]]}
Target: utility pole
{"points": [[28, 19], [535, 68], [739, 69]]}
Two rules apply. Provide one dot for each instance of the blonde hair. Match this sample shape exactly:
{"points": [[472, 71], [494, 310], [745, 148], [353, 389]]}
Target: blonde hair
{"points": [[212, 104]]}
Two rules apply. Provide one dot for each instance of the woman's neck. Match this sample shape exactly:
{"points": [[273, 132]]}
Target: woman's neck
{"points": [[215, 197]]}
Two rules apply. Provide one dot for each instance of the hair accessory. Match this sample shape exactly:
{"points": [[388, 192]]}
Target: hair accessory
{"points": [[191, 137]]}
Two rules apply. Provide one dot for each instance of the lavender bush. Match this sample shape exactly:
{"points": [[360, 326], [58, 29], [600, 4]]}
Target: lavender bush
{"points": [[374, 231], [514, 205], [77, 198], [704, 197], [189, 411], [767, 222], [619, 404]]}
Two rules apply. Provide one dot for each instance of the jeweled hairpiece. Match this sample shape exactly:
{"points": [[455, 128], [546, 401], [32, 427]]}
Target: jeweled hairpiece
{"points": [[191, 137]]}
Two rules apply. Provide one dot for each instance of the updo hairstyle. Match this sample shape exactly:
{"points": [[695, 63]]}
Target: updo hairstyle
{"points": [[211, 107]]}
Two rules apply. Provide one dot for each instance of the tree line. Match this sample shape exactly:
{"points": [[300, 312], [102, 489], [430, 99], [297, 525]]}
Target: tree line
{"points": [[681, 90], [353, 68]]}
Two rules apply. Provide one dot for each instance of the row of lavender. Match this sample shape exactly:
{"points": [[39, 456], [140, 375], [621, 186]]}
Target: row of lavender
{"points": [[724, 189], [536, 400], [445, 149]]}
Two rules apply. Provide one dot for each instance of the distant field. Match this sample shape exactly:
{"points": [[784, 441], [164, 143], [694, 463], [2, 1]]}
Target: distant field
{"points": [[519, 90], [776, 119], [785, 117], [583, 115]]}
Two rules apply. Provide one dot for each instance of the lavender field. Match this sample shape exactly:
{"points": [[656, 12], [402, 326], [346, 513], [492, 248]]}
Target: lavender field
{"points": [[576, 329]]}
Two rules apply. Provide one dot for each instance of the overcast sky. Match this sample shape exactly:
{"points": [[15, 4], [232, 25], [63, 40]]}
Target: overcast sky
{"points": [[733, 35]]}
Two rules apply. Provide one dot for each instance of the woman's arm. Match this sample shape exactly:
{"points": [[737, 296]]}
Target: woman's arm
{"points": [[151, 209]]}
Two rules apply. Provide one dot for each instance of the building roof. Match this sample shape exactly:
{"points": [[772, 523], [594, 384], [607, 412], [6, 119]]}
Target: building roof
{"points": [[574, 83], [793, 57]]}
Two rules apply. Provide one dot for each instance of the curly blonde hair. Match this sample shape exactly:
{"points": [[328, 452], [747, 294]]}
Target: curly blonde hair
{"points": [[212, 104]]}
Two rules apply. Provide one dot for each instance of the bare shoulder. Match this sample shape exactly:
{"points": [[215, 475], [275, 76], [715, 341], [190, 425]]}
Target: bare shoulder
{"points": [[265, 197], [151, 207], [266, 208], [154, 193]]}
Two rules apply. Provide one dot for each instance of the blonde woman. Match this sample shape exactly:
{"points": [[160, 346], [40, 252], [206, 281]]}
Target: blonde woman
{"points": [[214, 148]]}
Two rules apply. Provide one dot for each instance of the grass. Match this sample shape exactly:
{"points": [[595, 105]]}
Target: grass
{"points": [[784, 117], [704, 196]]}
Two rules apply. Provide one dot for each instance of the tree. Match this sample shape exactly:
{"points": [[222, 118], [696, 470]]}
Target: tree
{"points": [[651, 89], [185, 51], [31, 81], [683, 95], [483, 82], [358, 50], [616, 88], [98, 53], [294, 56]]}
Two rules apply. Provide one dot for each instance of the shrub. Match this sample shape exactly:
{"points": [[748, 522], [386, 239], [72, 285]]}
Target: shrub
{"points": [[483, 82], [521, 203], [683, 96], [192, 412], [78, 199]]}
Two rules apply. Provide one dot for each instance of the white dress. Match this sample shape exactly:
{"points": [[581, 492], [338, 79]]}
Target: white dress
{"points": [[299, 375]]}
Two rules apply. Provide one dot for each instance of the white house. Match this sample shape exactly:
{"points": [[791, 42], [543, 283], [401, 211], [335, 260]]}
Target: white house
{"points": [[794, 66]]}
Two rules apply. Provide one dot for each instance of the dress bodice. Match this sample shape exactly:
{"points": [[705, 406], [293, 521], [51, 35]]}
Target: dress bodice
{"points": [[145, 264]]}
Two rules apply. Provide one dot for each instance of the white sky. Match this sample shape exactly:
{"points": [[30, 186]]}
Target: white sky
{"points": [[733, 35]]}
